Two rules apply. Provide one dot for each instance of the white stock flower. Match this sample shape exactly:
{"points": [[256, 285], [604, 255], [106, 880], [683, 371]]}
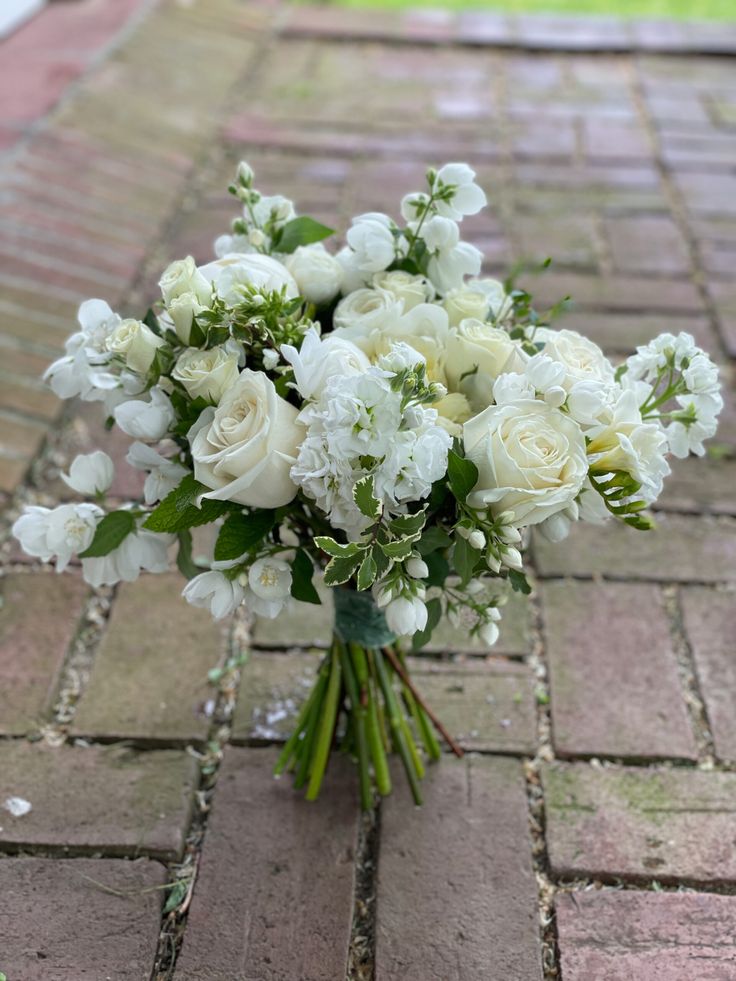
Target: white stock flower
{"points": [[215, 592], [481, 353], [684, 439], [183, 277], [404, 286], [405, 615], [530, 457], [90, 473], [245, 447], [320, 358], [451, 260], [269, 582], [149, 420], [232, 274], [583, 359], [140, 550], [318, 274], [163, 475], [136, 343], [372, 240], [466, 199], [206, 374], [60, 533]]}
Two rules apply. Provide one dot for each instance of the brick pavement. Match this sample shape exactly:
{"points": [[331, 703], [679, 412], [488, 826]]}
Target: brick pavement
{"points": [[589, 835]]}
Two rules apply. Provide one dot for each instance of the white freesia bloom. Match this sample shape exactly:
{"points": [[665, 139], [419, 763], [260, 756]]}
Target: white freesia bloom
{"points": [[206, 374], [90, 473], [147, 420], [467, 198], [451, 260], [136, 343], [181, 278], [371, 239], [215, 592], [405, 615], [319, 359], [60, 533], [269, 582], [318, 274], [232, 274], [163, 475], [245, 447], [141, 550], [530, 457], [404, 286]]}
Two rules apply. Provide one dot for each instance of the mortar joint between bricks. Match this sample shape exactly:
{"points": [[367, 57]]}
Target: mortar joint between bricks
{"points": [[362, 948]]}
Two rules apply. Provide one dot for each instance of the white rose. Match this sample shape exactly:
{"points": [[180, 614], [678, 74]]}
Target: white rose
{"points": [[424, 328], [531, 460], [481, 353], [583, 359], [183, 309], [206, 374], [231, 274], [363, 311], [150, 420], [183, 276], [319, 359], [215, 592], [372, 240], [90, 473], [452, 411], [136, 342], [318, 274], [480, 299], [245, 448], [411, 289]]}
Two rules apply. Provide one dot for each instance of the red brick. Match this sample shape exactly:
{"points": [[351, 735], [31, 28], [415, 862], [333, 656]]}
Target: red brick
{"points": [[149, 680], [456, 895], [620, 293], [111, 800], [622, 333], [607, 140], [613, 673], [710, 624], [700, 485], [647, 245], [38, 619], [274, 895], [621, 935], [680, 549], [640, 824], [723, 295], [83, 918]]}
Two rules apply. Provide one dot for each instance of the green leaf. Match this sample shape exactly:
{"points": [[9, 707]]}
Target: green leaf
{"points": [[177, 894], [463, 475], [301, 231], [110, 532], [177, 510], [240, 532], [339, 570], [302, 571], [184, 561], [433, 538], [336, 549], [519, 582], [464, 558], [439, 569], [365, 500], [434, 615], [398, 549], [367, 572], [408, 524]]}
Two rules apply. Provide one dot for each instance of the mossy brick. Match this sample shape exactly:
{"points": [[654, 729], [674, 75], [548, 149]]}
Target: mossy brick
{"points": [[640, 824], [112, 799], [39, 616], [620, 935], [273, 686], [274, 894], [680, 549], [709, 618], [149, 680], [456, 896], [73, 919], [613, 673]]}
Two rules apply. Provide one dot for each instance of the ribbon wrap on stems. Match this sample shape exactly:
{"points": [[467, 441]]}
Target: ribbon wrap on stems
{"points": [[364, 702]]}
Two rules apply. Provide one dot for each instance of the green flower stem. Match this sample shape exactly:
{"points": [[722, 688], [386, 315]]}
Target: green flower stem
{"points": [[358, 715], [375, 740], [292, 745], [397, 732], [304, 749], [326, 726], [421, 720]]}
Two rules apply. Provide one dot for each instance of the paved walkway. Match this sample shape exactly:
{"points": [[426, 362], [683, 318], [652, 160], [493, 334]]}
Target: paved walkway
{"points": [[590, 835]]}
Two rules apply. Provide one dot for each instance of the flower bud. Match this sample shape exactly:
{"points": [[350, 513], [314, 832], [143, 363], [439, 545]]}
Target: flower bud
{"points": [[245, 173], [489, 633], [511, 557], [417, 568], [477, 539]]}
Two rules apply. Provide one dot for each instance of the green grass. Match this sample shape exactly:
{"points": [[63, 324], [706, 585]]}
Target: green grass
{"points": [[677, 9]]}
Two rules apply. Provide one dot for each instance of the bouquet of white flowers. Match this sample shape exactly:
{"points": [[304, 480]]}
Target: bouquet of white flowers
{"points": [[375, 415]]}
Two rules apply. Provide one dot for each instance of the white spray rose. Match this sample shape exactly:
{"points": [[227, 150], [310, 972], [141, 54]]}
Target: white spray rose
{"points": [[318, 274], [136, 342], [148, 421], [183, 277], [372, 240], [206, 374], [480, 299], [481, 353], [531, 459], [583, 359], [90, 473], [404, 286], [183, 309], [424, 328], [320, 359], [365, 310], [233, 273], [215, 592], [245, 447]]}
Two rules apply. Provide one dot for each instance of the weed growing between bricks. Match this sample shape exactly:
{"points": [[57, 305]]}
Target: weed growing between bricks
{"points": [[362, 952]]}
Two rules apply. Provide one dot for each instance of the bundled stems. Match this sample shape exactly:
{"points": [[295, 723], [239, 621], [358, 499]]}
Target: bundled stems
{"points": [[364, 700]]}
